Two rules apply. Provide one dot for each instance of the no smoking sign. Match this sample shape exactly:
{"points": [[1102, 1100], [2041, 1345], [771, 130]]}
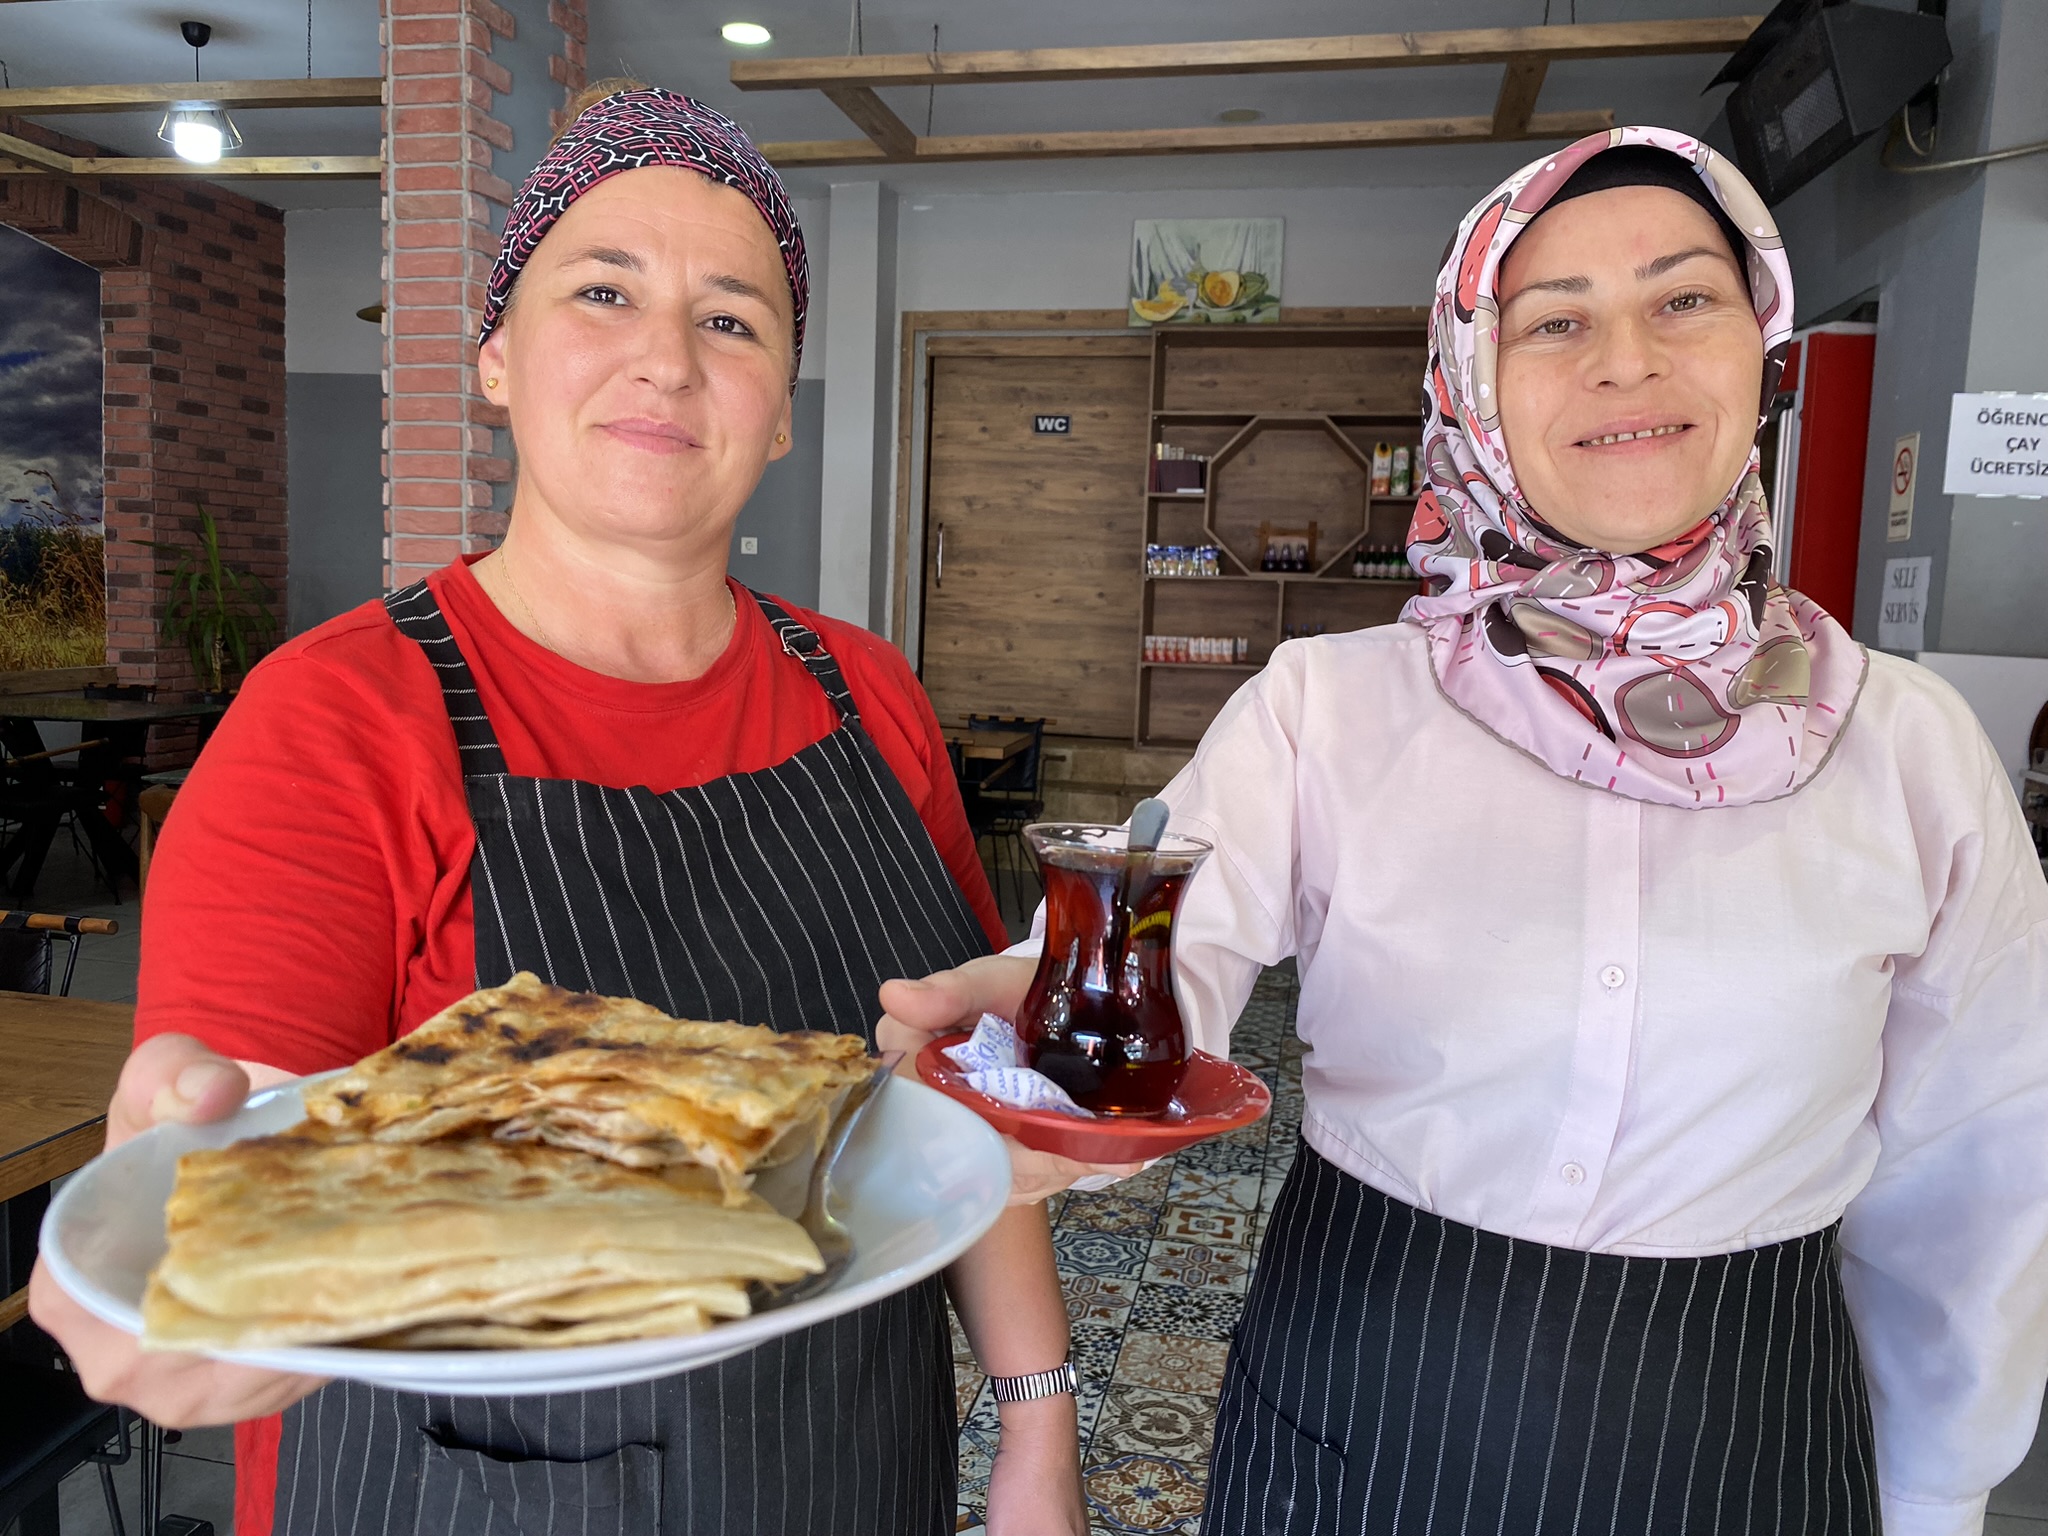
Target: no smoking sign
{"points": [[1898, 526]]}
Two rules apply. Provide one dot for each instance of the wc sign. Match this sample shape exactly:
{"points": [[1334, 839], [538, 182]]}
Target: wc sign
{"points": [[1044, 425]]}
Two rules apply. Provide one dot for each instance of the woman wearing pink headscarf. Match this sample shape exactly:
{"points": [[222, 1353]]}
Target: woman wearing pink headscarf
{"points": [[1673, 970]]}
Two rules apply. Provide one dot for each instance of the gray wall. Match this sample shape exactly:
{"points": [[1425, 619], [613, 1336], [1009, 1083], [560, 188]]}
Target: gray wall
{"points": [[535, 95], [336, 495], [783, 512], [1998, 546], [1948, 257]]}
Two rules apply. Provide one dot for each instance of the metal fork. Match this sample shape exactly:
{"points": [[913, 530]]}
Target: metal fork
{"points": [[835, 1243]]}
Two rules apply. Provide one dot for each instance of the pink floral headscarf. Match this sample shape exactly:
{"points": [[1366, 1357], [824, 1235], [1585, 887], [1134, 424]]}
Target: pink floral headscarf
{"points": [[1683, 675]]}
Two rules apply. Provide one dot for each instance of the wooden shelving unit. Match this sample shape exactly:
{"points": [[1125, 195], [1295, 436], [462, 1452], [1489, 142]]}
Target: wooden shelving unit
{"points": [[1287, 417]]}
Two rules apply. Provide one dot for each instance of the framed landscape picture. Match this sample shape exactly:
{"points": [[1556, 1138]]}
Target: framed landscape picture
{"points": [[1205, 271], [53, 596]]}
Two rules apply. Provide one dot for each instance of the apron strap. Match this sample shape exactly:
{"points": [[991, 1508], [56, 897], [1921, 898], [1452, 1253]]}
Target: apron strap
{"points": [[419, 619], [804, 644]]}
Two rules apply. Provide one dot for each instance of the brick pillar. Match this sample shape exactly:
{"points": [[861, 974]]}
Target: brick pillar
{"points": [[444, 204]]}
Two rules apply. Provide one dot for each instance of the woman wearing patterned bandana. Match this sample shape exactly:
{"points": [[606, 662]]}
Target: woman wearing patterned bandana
{"points": [[593, 755], [1674, 974]]}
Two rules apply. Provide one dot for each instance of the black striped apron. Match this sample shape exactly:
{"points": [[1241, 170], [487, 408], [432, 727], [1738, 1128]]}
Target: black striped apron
{"points": [[1397, 1374], [785, 896]]}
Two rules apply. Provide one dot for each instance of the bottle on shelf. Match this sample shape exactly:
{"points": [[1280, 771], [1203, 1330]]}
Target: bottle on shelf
{"points": [[1382, 467], [1399, 478], [1360, 565]]}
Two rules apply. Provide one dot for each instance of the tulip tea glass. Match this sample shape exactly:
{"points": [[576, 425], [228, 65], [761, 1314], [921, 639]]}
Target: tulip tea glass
{"points": [[1100, 1019]]}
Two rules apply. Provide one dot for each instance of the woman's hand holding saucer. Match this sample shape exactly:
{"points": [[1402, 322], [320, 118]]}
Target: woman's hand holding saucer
{"points": [[945, 1001], [167, 1078]]}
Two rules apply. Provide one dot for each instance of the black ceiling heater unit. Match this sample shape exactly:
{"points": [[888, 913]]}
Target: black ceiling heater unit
{"points": [[1815, 79]]}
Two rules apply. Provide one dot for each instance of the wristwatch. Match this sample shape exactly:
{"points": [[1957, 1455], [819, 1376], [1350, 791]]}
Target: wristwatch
{"points": [[1025, 1389]]}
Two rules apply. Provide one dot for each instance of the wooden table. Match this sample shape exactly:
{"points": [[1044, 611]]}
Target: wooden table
{"points": [[77, 708], [987, 746], [59, 1060]]}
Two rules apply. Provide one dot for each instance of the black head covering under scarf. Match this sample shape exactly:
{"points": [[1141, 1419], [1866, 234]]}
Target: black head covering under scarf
{"points": [[1644, 165]]}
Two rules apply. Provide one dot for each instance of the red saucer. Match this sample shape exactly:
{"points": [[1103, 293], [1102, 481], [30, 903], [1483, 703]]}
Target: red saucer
{"points": [[1216, 1096]]}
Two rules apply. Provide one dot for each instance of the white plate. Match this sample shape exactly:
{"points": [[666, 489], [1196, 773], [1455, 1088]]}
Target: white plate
{"points": [[922, 1179]]}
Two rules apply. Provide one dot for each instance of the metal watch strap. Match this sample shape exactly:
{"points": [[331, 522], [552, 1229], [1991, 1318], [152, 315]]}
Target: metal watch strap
{"points": [[1025, 1389]]}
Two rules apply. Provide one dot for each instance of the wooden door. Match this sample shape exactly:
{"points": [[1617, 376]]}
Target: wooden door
{"points": [[1033, 550]]}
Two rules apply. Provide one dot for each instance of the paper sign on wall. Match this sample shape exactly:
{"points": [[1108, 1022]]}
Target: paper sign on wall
{"points": [[1997, 446], [1898, 523], [1902, 611]]}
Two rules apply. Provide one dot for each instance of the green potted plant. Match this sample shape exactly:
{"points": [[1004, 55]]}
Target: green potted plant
{"points": [[219, 613]]}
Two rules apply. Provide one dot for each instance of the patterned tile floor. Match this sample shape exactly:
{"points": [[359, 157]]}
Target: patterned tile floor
{"points": [[1154, 1272]]}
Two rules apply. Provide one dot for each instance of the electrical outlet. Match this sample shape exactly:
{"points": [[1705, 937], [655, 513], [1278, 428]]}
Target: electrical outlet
{"points": [[749, 545]]}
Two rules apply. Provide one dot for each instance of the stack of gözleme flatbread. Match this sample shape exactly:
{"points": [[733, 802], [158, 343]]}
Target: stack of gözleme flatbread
{"points": [[531, 1167]]}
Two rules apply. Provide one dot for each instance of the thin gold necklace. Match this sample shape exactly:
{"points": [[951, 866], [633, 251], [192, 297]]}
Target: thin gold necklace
{"points": [[540, 630]]}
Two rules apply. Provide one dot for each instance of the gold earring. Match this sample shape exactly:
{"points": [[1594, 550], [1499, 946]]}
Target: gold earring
{"points": [[782, 437], [490, 383]]}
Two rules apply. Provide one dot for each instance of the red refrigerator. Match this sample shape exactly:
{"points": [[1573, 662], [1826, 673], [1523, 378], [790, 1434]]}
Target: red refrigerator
{"points": [[1814, 447]]}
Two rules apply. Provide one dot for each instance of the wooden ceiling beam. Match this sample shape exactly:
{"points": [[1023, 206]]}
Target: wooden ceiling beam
{"points": [[1251, 138], [789, 152], [1385, 50], [33, 156], [227, 168], [48, 100], [1516, 103], [871, 115]]}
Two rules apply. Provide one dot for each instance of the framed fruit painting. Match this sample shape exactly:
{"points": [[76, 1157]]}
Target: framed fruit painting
{"points": [[1205, 271]]}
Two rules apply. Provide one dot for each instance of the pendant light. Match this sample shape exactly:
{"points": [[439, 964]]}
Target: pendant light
{"points": [[199, 131]]}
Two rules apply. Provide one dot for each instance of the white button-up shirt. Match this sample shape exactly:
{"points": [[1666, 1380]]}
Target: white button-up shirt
{"points": [[1552, 1012]]}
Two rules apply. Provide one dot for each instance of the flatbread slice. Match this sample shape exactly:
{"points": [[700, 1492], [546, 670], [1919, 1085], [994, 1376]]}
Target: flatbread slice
{"points": [[681, 1318], [609, 1076], [529, 1032], [303, 1238]]}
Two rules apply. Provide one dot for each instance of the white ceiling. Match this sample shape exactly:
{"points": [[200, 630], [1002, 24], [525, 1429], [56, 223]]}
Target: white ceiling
{"points": [[675, 43]]}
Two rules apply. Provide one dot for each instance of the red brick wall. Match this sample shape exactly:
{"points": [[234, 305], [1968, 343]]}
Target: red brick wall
{"points": [[192, 306], [443, 203]]}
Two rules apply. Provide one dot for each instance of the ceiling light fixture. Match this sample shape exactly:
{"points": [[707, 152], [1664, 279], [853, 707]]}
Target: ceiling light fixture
{"points": [[1240, 115], [748, 34], [198, 131]]}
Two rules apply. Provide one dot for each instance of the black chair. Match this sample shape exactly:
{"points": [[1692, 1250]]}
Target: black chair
{"points": [[28, 949], [1005, 801], [48, 1429], [40, 793]]}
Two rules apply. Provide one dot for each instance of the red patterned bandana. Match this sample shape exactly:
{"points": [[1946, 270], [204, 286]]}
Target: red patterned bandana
{"points": [[1683, 675], [624, 132]]}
